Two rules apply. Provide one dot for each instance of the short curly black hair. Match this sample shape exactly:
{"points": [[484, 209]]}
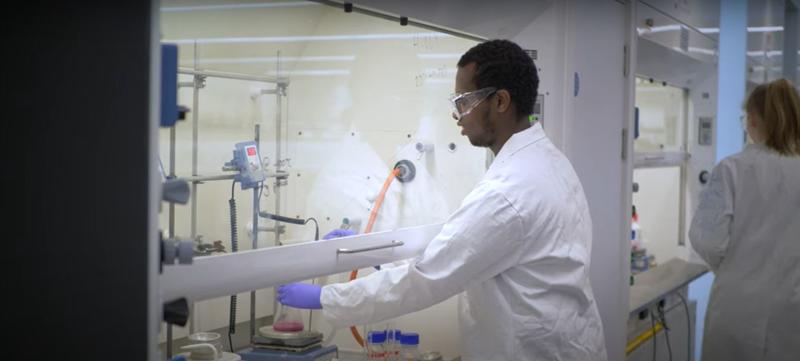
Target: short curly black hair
{"points": [[503, 64]]}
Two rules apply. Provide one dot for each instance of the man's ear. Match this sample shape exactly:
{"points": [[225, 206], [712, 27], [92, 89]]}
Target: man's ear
{"points": [[502, 100]]}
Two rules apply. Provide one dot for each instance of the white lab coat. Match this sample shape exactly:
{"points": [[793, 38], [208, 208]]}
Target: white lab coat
{"points": [[518, 248], [747, 228]]}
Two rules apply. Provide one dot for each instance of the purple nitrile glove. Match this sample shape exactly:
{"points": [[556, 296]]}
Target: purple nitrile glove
{"points": [[300, 295], [337, 233]]}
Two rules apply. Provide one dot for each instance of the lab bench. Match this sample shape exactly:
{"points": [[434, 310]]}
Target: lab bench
{"points": [[658, 297]]}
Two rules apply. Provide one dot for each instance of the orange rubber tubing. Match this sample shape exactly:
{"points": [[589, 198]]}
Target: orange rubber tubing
{"points": [[372, 217]]}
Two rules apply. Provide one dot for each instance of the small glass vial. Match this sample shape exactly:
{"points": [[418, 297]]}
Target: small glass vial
{"points": [[376, 346], [410, 346]]}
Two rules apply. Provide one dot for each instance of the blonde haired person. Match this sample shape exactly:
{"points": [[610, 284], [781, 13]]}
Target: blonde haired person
{"points": [[747, 228]]}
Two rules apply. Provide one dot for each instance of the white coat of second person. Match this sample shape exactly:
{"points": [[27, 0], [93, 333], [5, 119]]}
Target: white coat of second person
{"points": [[747, 228]]}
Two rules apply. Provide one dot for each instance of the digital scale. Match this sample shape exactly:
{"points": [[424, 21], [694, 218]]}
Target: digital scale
{"points": [[271, 345]]}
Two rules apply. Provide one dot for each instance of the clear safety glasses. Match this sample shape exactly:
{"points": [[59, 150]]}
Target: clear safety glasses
{"points": [[464, 103]]}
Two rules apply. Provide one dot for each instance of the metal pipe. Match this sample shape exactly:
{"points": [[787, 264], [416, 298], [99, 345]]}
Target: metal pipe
{"points": [[394, 18], [255, 245], [235, 76], [257, 136], [791, 43], [209, 178], [256, 210], [197, 80], [171, 227], [185, 84], [684, 173], [276, 187], [278, 162], [169, 341], [266, 229], [195, 128], [394, 243]]}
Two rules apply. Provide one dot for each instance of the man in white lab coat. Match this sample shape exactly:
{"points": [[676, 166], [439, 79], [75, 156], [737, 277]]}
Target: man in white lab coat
{"points": [[518, 248]]}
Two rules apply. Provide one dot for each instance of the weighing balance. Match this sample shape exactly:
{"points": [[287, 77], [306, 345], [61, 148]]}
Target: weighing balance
{"points": [[271, 345]]}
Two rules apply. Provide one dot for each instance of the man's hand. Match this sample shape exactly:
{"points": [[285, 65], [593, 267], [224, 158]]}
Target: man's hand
{"points": [[300, 295]]}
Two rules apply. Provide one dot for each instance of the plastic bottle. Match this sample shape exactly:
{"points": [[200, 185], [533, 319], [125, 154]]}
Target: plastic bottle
{"points": [[639, 261], [410, 346], [636, 232], [395, 355], [391, 345], [394, 345], [376, 346]]}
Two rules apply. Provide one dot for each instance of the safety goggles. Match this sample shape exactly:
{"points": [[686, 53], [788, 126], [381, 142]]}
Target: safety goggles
{"points": [[743, 121], [464, 103]]}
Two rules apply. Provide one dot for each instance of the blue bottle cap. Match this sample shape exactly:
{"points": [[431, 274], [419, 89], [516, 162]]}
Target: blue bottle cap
{"points": [[410, 339], [377, 336]]}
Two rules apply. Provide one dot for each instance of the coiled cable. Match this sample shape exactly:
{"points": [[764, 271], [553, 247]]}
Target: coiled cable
{"points": [[234, 248]]}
